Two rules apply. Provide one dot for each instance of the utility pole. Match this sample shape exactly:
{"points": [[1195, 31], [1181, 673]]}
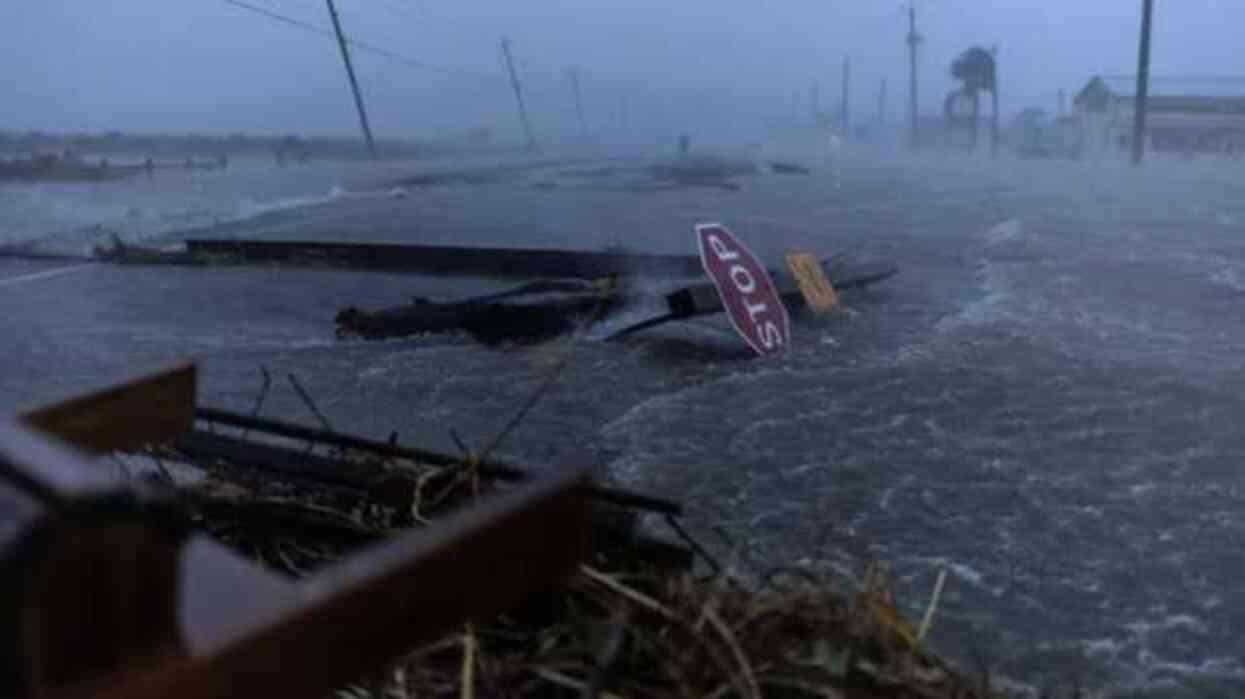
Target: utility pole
{"points": [[1062, 104], [882, 103], [847, 95], [518, 95], [1143, 84], [354, 83], [914, 40], [579, 103]]}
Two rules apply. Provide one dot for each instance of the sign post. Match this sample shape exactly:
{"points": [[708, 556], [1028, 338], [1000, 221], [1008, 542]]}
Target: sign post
{"points": [[747, 291]]}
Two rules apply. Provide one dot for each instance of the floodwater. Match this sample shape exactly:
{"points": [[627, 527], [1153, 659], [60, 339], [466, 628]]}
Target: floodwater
{"points": [[1046, 402]]}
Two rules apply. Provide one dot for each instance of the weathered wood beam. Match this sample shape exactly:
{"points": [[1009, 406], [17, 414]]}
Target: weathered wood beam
{"points": [[155, 408]]}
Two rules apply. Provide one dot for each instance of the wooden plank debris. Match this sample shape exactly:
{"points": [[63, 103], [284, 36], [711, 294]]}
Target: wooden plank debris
{"points": [[440, 259], [96, 585], [155, 408], [371, 609]]}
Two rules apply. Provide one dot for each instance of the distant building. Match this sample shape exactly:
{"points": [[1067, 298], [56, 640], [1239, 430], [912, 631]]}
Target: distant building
{"points": [[1194, 114], [1033, 134]]}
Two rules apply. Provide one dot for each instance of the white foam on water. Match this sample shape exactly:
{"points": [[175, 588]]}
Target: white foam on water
{"points": [[140, 208], [46, 274], [252, 209], [996, 292], [1229, 274], [1004, 232], [1102, 648]]}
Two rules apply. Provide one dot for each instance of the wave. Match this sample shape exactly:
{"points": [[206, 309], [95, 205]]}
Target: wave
{"points": [[252, 209], [72, 219]]}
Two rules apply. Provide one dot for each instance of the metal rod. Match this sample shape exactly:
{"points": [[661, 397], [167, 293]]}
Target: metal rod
{"points": [[354, 83]]}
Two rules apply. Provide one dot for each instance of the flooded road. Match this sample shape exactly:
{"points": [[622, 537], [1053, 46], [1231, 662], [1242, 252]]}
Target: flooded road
{"points": [[1046, 401]]}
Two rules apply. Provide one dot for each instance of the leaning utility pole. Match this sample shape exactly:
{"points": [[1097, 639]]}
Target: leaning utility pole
{"points": [[579, 103], [518, 95], [354, 83], [847, 95], [1143, 84]]}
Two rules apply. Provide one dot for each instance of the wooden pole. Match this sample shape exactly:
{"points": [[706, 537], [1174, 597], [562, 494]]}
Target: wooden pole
{"points": [[882, 104], [354, 83], [913, 40], [579, 103], [1143, 84], [518, 95], [847, 95]]}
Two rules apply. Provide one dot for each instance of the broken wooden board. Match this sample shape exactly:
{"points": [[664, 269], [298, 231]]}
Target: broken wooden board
{"points": [[373, 608], [110, 596], [152, 409], [435, 259]]}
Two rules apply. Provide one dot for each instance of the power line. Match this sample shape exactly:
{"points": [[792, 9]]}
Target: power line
{"points": [[361, 45], [281, 18]]}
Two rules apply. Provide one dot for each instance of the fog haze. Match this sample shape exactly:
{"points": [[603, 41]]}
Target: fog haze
{"points": [[208, 65]]}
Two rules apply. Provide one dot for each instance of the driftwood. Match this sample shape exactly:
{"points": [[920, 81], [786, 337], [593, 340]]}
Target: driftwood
{"points": [[530, 314], [781, 168], [447, 259]]}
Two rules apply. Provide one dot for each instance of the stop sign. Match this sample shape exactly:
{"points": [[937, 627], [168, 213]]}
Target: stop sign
{"points": [[747, 292]]}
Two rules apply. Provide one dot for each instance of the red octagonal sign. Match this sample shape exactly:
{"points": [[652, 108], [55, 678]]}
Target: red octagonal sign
{"points": [[748, 294]]}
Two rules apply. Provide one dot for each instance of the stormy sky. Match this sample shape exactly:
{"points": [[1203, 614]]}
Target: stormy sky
{"points": [[660, 65]]}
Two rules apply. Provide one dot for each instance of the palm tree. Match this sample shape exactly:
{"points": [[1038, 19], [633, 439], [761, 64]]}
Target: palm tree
{"points": [[978, 70]]}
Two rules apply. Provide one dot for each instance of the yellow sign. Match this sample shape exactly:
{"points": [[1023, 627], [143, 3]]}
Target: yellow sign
{"points": [[816, 289]]}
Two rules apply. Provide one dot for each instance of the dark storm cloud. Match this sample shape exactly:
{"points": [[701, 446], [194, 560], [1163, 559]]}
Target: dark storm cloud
{"points": [[723, 66]]}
